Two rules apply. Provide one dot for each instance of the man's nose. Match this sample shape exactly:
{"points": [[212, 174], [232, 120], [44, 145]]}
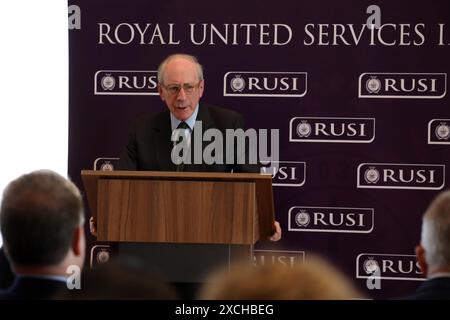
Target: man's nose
{"points": [[181, 94]]}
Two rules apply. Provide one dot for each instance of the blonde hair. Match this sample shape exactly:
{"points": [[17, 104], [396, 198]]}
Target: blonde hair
{"points": [[314, 280], [435, 236]]}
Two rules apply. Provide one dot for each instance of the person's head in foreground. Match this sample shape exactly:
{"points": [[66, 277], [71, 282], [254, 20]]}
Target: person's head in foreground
{"points": [[41, 220], [433, 252], [316, 279]]}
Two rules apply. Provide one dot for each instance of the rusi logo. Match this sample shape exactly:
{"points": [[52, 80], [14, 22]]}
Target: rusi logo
{"points": [[285, 258], [264, 84], [401, 176], [402, 85], [439, 131], [286, 173], [126, 82], [331, 219], [105, 164], [388, 266], [99, 254], [337, 130]]}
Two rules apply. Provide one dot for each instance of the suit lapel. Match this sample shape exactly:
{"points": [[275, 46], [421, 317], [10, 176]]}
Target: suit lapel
{"points": [[163, 133], [204, 116]]}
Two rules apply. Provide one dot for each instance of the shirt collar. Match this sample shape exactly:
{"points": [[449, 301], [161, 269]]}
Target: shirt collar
{"points": [[189, 121]]}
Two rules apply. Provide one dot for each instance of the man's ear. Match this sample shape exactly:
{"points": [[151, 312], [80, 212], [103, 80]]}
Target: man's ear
{"points": [[201, 88], [160, 91], [420, 256], [78, 241]]}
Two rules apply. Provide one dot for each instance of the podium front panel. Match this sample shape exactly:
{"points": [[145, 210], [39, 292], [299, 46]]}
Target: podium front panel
{"points": [[133, 210]]}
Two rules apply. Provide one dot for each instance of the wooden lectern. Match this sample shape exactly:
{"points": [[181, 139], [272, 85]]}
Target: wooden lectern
{"points": [[179, 218]]}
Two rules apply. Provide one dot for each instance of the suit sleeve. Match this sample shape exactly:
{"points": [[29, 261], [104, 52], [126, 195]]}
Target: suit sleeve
{"points": [[128, 158]]}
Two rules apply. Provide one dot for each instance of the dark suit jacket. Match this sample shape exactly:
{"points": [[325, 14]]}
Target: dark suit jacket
{"points": [[6, 274], [149, 144], [435, 289], [29, 288]]}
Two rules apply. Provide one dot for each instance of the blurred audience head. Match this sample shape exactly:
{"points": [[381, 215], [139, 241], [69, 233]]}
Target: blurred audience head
{"points": [[41, 220], [433, 253], [316, 279]]}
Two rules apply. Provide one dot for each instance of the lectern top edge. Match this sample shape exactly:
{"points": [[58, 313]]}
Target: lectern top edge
{"points": [[178, 175]]}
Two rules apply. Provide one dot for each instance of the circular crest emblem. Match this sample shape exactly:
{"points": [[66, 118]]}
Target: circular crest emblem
{"points": [[103, 256], [371, 175], [302, 218], [237, 83], [108, 82], [442, 131], [370, 265], [304, 129], [107, 166], [373, 85]]}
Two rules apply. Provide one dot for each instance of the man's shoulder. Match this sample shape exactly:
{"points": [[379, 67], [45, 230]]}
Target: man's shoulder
{"points": [[33, 288], [220, 118], [220, 112], [436, 288], [150, 119]]}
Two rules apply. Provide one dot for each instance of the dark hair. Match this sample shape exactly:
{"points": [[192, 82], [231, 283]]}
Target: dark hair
{"points": [[38, 216]]}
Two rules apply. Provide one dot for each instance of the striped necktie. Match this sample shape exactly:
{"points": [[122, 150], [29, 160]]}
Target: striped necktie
{"points": [[182, 125]]}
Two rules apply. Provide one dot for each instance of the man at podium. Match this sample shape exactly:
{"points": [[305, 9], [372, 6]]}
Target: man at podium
{"points": [[151, 140], [151, 147]]}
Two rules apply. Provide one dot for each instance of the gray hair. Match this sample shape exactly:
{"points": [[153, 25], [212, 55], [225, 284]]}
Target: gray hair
{"points": [[436, 231], [188, 57]]}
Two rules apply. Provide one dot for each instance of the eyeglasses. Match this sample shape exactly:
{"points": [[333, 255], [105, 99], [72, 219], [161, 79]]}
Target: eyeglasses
{"points": [[174, 89]]}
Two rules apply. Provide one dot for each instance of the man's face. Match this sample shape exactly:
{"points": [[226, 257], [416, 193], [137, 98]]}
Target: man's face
{"points": [[181, 89]]}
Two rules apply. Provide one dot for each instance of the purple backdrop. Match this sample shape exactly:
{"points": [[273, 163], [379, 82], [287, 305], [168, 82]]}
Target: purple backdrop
{"points": [[363, 114]]}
